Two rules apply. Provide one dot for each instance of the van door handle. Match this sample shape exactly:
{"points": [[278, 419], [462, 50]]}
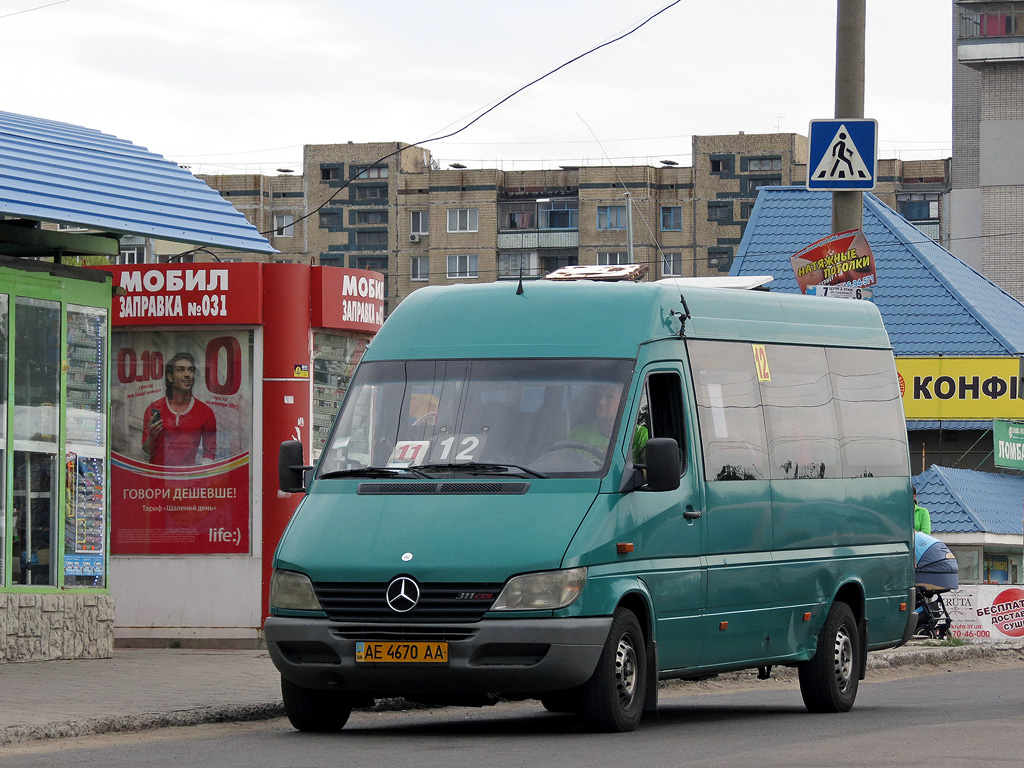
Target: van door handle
{"points": [[690, 513]]}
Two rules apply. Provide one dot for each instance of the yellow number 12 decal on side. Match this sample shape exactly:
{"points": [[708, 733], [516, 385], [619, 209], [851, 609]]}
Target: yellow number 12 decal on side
{"points": [[761, 362]]}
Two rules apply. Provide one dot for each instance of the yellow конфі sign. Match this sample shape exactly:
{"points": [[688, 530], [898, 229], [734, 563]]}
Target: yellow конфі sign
{"points": [[941, 388]]}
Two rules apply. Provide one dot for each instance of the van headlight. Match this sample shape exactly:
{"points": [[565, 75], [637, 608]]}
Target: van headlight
{"points": [[293, 591], [542, 591]]}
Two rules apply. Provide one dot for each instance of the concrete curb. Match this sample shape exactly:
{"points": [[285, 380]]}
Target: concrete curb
{"points": [[912, 656]]}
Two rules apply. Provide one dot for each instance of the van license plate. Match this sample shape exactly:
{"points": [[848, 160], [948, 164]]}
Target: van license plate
{"points": [[402, 653]]}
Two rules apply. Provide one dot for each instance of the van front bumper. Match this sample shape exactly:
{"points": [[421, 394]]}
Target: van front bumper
{"points": [[491, 656]]}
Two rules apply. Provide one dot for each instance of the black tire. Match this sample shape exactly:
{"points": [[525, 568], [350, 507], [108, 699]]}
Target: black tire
{"points": [[562, 701], [613, 699], [312, 710], [828, 682]]}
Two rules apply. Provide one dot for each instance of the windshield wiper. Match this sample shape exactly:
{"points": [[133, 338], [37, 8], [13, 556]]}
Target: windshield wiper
{"points": [[374, 472], [479, 467]]}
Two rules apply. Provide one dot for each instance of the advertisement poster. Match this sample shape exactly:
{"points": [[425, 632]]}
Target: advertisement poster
{"points": [[986, 613], [840, 259], [181, 433]]}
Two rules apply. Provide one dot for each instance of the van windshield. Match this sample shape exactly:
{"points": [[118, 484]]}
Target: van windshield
{"points": [[527, 417]]}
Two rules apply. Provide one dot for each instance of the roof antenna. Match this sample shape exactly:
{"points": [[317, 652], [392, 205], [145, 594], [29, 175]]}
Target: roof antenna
{"points": [[519, 290], [683, 316]]}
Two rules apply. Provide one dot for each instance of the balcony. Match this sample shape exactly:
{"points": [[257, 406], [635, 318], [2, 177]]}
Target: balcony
{"points": [[989, 33]]}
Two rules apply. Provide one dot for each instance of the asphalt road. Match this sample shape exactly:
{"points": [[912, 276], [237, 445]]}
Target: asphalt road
{"points": [[959, 717]]}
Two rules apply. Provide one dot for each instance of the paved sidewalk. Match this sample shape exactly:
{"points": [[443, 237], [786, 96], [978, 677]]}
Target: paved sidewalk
{"points": [[154, 688]]}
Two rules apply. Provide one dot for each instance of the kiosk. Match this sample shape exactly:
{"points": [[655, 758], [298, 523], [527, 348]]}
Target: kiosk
{"points": [[213, 366]]}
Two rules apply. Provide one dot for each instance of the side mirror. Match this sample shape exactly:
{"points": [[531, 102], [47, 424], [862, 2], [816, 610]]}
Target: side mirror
{"points": [[290, 469], [662, 464]]}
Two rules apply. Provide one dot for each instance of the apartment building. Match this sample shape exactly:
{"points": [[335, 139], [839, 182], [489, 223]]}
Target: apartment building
{"points": [[987, 174], [390, 207]]}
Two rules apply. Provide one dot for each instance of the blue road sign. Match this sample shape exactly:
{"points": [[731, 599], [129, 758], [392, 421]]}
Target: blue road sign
{"points": [[843, 154]]}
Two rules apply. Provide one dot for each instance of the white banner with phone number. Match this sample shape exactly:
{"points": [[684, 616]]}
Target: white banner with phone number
{"points": [[987, 613]]}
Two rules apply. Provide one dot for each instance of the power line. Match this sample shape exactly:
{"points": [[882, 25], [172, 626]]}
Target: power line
{"points": [[37, 8]]}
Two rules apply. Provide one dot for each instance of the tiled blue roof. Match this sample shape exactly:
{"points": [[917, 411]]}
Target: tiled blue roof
{"points": [[52, 171], [932, 303], [965, 501]]}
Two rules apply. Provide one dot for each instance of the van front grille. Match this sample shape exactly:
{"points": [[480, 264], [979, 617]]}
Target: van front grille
{"points": [[439, 603]]}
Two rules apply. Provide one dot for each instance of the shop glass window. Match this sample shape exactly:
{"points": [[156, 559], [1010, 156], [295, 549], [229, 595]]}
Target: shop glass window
{"points": [[462, 219], [36, 432], [803, 440], [869, 410], [462, 265], [4, 314], [611, 217], [85, 443], [671, 218], [733, 438]]}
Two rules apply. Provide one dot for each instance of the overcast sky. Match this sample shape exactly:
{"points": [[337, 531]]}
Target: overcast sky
{"points": [[231, 86]]}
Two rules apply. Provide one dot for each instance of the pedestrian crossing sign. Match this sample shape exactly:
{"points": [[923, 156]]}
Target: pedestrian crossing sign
{"points": [[843, 154]]}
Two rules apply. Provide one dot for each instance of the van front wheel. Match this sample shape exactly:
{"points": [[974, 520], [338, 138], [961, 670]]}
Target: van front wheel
{"points": [[312, 710], [828, 682], [613, 699]]}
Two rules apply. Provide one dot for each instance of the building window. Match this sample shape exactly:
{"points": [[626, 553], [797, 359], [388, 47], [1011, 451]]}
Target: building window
{"points": [[378, 239], [419, 223], [606, 258], [371, 193], [721, 164], [462, 265], [770, 181], [556, 258], [764, 164], [284, 225], [746, 208], [330, 219], [719, 259], [516, 263], [517, 215], [374, 263], [918, 206], [672, 264], [611, 217], [419, 268], [559, 214], [462, 219], [671, 218], [330, 173], [370, 172], [132, 254], [371, 217], [719, 211]]}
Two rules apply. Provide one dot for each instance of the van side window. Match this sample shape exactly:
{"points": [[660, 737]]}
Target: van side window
{"points": [[660, 415], [729, 410], [803, 439], [870, 413]]}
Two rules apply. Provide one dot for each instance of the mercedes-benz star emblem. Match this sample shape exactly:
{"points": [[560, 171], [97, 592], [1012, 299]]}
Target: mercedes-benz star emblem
{"points": [[402, 594]]}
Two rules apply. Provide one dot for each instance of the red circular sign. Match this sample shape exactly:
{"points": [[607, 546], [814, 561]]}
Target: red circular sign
{"points": [[1008, 612], [903, 385]]}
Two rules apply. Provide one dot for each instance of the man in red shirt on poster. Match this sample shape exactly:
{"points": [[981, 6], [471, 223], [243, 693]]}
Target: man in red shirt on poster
{"points": [[177, 424]]}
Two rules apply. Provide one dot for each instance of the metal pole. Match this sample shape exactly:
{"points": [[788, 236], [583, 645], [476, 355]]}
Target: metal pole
{"points": [[629, 228], [847, 207]]}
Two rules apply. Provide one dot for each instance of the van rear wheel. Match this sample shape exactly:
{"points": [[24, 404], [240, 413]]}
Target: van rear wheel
{"points": [[828, 682], [312, 710], [613, 699]]}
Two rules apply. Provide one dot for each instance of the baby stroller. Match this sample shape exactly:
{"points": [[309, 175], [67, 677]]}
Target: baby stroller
{"points": [[935, 572]]}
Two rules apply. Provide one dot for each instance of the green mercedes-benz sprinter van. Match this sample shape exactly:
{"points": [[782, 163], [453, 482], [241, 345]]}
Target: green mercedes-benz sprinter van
{"points": [[570, 490]]}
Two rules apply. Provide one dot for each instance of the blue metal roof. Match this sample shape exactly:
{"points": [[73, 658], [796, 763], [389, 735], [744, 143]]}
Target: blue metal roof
{"points": [[932, 303], [52, 171], [965, 501]]}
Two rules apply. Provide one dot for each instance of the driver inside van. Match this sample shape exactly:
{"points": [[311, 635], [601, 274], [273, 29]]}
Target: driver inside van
{"points": [[596, 430]]}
